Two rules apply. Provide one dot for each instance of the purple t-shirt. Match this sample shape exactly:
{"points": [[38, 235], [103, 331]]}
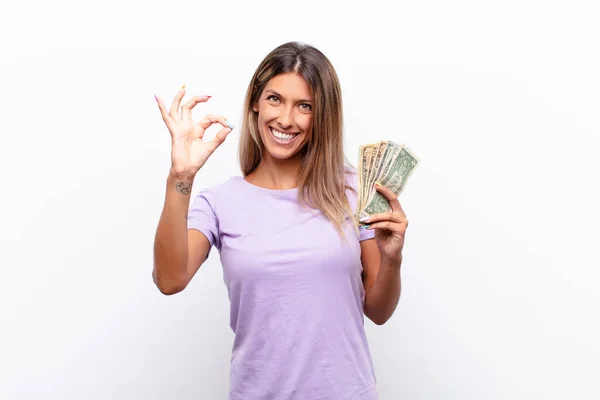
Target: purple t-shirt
{"points": [[296, 294]]}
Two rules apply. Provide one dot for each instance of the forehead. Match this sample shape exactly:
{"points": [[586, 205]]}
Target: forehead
{"points": [[290, 85]]}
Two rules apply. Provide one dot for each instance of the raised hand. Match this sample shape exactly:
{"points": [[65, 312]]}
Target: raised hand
{"points": [[390, 227], [189, 151]]}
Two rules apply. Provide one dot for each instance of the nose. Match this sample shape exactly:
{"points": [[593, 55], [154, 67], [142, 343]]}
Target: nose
{"points": [[286, 118]]}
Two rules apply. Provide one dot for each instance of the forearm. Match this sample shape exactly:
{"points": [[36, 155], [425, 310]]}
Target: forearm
{"points": [[171, 243], [383, 297]]}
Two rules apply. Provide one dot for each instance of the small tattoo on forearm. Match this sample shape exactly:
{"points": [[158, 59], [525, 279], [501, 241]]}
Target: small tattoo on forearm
{"points": [[184, 187]]}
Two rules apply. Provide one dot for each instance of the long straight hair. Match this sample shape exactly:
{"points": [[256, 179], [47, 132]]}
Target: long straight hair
{"points": [[322, 180]]}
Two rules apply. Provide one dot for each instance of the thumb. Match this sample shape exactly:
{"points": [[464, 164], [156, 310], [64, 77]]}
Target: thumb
{"points": [[219, 138]]}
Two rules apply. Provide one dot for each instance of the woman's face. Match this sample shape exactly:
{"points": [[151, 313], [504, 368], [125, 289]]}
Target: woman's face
{"points": [[284, 115]]}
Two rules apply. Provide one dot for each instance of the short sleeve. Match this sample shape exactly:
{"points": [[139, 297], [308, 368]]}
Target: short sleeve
{"points": [[203, 218], [364, 234]]}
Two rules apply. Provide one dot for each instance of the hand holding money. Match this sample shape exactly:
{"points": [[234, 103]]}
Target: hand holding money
{"points": [[390, 228], [388, 163]]}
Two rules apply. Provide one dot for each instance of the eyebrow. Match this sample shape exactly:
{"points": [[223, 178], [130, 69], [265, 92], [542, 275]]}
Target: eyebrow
{"points": [[277, 94]]}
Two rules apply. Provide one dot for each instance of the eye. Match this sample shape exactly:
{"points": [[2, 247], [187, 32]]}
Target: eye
{"points": [[273, 98], [306, 106]]}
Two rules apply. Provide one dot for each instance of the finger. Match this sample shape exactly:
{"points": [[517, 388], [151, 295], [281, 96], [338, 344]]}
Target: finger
{"points": [[161, 107], [186, 109], [391, 197], [174, 112], [210, 119], [388, 216], [163, 111], [390, 226], [219, 138]]}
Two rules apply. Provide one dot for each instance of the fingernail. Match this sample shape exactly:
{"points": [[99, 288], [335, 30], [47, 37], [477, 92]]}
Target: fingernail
{"points": [[365, 226], [364, 219], [378, 184], [156, 98], [229, 124], [183, 87]]}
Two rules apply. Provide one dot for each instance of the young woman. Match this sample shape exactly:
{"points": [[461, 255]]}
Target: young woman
{"points": [[299, 273]]}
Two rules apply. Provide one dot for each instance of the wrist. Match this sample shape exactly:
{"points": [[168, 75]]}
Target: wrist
{"points": [[181, 176], [391, 262], [181, 182]]}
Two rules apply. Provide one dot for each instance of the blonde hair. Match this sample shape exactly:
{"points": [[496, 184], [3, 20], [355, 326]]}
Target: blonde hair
{"points": [[322, 180]]}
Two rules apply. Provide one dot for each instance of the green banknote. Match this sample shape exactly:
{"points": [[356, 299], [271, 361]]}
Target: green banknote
{"points": [[389, 163]]}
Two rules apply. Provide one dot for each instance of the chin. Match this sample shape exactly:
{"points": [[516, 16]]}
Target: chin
{"points": [[283, 145]]}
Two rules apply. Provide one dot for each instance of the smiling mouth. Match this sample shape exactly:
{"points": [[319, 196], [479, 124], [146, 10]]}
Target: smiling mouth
{"points": [[282, 137]]}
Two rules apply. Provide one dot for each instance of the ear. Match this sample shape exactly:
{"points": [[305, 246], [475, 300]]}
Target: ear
{"points": [[255, 106]]}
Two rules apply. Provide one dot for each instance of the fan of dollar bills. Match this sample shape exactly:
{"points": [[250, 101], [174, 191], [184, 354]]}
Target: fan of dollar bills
{"points": [[385, 162]]}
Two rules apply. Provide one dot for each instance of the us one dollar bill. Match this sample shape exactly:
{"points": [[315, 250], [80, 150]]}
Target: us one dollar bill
{"points": [[389, 163]]}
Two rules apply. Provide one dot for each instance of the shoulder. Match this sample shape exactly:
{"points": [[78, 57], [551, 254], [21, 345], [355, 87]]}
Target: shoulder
{"points": [[231, 184], [214, 194]]}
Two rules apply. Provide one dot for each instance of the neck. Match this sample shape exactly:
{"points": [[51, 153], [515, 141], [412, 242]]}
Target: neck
{"points": [[277, 174]]}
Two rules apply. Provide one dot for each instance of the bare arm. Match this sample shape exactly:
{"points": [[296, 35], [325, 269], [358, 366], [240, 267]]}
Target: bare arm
{"points": [[178, 252], [381, 279], [382, 259]]}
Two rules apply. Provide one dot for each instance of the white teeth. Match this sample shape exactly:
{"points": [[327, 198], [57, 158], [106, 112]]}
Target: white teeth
{"points": [[281, 136]]}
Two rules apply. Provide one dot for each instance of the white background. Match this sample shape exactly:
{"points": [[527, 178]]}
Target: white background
{"points": [[501, 267]]}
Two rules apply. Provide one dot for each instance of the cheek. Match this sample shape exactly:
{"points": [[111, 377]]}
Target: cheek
{"points": [[260, 120], [305, 122], [265, 115]]}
